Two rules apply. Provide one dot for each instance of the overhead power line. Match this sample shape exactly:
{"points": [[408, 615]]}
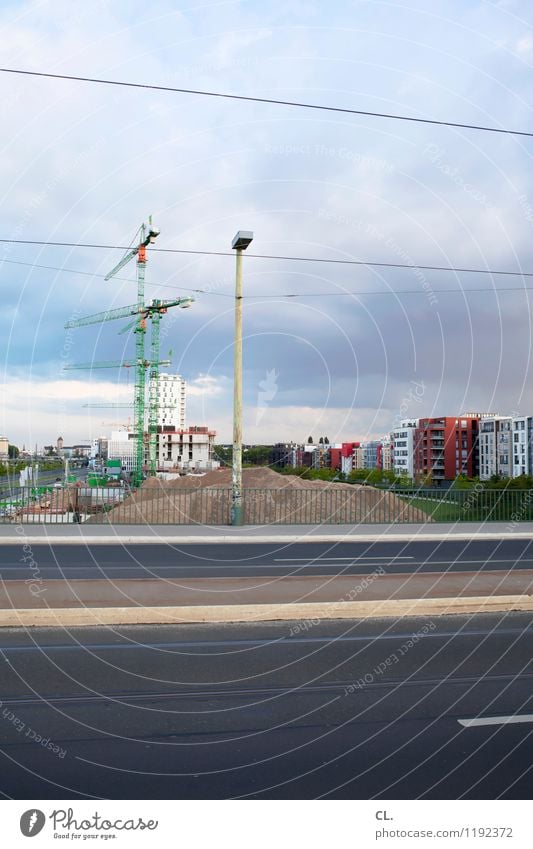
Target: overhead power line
{"points": [[290, 258], [116, 277], [345, 293], [268, 100], [356, 293]]}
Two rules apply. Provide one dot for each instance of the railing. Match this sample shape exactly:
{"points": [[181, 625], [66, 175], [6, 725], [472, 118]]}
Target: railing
{"points": [[165, 504]]}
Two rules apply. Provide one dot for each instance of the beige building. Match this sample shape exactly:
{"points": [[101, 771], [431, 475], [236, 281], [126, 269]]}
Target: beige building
{"points": [[191, 449], [4, 447]]}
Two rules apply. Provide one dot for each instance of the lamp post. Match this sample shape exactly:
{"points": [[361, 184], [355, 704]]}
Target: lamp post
{"points": [[239, 244]]}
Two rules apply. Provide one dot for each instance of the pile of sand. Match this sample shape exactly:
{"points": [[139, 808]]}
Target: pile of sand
{"points": [[268, 498]]}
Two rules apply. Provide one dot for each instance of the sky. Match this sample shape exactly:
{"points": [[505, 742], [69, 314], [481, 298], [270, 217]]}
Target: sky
{"points": [[353, 348]]}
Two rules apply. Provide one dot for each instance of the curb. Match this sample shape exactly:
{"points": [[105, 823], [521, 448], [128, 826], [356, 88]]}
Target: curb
{"points": [[76, 617], [24, 539]]}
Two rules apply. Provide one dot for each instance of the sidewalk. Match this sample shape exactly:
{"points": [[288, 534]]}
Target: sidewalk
{"points": [[35, 534], [155, 601]]}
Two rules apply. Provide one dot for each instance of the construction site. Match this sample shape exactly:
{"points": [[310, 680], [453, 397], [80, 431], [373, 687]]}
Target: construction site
{"points": [[268, 498], [156, 481]]}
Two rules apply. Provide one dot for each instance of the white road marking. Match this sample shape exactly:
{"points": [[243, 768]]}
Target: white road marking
{"points": [[328, 559], [496, 720], [450, 562]]}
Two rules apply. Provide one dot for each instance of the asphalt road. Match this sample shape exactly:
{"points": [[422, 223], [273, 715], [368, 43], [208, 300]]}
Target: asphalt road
{"points": [[10, 485], [271, 560], [271, 710]]}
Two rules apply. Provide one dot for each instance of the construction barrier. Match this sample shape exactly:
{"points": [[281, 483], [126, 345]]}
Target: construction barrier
{"points": [[332, 504]]}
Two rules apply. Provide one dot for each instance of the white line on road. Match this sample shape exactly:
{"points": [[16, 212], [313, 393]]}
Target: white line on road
{"points": [[496, 720], [328, 559]]}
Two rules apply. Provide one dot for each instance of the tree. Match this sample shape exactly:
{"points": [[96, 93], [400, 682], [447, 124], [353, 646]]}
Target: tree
{"points": [[12, 452]]}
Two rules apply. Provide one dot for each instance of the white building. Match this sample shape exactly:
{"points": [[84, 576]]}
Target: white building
{"points": [[522, 435], [172, 390], [184, 449], [495, 447], [190, 449], [4, 447], [121, 446], [402, 439]]}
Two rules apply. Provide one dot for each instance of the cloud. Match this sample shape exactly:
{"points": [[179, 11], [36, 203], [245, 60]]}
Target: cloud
{"points": [[205, 385], [89, 163]]}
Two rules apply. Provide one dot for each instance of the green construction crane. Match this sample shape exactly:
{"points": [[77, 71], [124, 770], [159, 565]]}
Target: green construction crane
{"points": [[144, 237], [156, 309], [113, 364], [141, 313]]}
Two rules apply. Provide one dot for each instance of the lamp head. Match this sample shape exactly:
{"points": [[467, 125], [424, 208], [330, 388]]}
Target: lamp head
{"points": [[242, 239]]}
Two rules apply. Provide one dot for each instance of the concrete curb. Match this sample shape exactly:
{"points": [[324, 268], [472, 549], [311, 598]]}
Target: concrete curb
{"points": [[76, 617], [24, 539]]}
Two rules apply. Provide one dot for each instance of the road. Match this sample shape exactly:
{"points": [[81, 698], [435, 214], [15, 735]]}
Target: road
{"points": [[271, 560], [10, 485], [271, 710]]}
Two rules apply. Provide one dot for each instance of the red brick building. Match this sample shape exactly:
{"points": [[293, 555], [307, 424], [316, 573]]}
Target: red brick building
{"points": [[446, 447]]}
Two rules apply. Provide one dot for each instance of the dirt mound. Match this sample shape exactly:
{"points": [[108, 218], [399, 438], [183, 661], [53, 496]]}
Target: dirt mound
{"points": [[268, 498]]}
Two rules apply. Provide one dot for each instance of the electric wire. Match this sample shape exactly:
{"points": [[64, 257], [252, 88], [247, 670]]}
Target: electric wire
{"points": [[288, 257], [269, 100], [351, 293]]}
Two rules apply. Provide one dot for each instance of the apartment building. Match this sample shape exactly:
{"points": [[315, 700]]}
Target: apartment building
{"points": [[370, 454], [188, 449], [522, 450], [402, 439], [495, 447], [446, 447], [384, 456], [171, 394]]}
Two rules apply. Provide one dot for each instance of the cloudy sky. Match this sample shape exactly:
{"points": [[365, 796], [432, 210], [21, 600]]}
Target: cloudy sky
{"points": [[357, 346]]}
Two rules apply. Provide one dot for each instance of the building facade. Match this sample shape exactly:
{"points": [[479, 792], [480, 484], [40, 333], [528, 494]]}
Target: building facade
{"points": [[172, 401], [121, 446], [190, 449], [446, 447], [522, 452], [495, 447], [402, 439]]}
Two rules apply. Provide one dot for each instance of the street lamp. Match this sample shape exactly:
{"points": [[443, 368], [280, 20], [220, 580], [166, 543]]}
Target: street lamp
{"points": [[240, 242]]}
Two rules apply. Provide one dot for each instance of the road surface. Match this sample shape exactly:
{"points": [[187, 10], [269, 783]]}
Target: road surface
{"points": [[270, 560], [373, 709]]}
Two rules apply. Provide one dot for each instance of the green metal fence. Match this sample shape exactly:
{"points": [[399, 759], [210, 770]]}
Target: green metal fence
{"points": [[163, 504]]}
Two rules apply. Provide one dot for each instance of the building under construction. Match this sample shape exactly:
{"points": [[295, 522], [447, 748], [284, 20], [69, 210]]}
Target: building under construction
{"points": [[179, 449]]}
